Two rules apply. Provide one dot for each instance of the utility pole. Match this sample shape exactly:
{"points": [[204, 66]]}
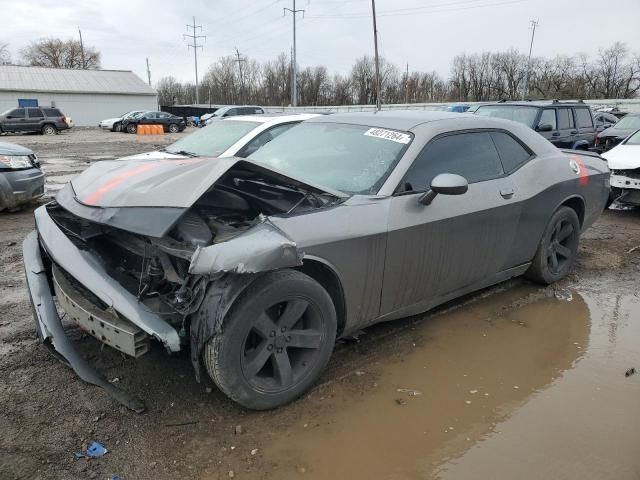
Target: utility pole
{"points": [[406, 86], [84, 64], [195, 47], [375, 41], [239, 59], [148, 72], [525, 91], [294, 89]]}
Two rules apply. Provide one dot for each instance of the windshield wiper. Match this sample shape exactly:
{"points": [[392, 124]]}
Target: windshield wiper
{"points": [[181, 152]]}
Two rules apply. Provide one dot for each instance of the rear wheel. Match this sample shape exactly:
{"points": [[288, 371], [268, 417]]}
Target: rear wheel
{"points": [[558, 247], [173, 128], [49, 129], [132, 128], [276, 341]]}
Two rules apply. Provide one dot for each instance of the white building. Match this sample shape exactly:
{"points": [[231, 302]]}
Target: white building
{"points": [[87, 96]]}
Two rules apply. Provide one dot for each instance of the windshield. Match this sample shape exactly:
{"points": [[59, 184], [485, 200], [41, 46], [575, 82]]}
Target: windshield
{"points": [[629, 123], [349, 158], [214, 139], [521, 114], [131, 114], [220, 112], [633, 139]]}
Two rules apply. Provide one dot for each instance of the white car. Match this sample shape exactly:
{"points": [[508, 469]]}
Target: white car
{"points": [[230, 137], [113, 124], [624, 163]]}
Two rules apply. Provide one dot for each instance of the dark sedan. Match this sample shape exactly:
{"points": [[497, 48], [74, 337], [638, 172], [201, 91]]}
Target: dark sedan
{"points": [[21, 178], [343, 221], [609, 138], [170, 123]]}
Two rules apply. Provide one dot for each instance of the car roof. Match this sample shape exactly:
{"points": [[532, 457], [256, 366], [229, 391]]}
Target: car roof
{"points": [[274, 118], [394, 119], [536, 103]]}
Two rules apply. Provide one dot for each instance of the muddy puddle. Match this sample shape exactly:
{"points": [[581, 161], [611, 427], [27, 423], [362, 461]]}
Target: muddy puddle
{"points": [[516, 385]]}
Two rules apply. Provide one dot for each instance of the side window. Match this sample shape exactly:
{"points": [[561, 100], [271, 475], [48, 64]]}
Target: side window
{"points": [[471, 155], [231, 112], [565, 118], [51, 112], [163, 115], [583, 117], [17, 113], [262, 139], [34, 113], [548, 117], [512, 153]]}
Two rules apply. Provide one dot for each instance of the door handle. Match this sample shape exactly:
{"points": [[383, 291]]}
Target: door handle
{"points": [[556, 134], [507, 192], [574, 132]]}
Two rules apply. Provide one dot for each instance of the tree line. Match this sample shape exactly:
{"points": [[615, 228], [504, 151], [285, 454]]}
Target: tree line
{"points": [[613, 73]]}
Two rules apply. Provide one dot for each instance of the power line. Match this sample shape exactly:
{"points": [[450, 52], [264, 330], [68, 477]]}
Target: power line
{"points": [[294, 92], [195, 47], [420, 10]]}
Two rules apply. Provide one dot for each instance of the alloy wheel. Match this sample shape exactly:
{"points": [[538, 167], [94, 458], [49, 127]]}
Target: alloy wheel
{"points": [[282, 345], [559, 251]]}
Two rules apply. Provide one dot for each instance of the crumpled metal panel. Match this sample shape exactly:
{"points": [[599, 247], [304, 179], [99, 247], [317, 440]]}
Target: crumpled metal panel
{"points": [[261, 248]]}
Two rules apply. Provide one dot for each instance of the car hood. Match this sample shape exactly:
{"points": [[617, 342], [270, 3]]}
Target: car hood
{"points": [[164, 182], [617, 132], [623, 157], [110, 120], [7, 148], [153, 155]]}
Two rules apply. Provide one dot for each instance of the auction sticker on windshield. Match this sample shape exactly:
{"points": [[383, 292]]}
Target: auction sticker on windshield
{"points": [[392, 135]]}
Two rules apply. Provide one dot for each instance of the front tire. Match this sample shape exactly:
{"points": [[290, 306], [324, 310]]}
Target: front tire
{"points": [[173, 128], [557, 250], [117, 127], [276, 340], [132, 128]]}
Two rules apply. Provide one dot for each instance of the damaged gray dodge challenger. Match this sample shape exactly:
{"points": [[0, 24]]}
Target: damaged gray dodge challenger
{"points": [[258, 265]]}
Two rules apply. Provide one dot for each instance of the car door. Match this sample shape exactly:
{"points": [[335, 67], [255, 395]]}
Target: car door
{"points": [[566, 133], [457, 242], [584, 125], [547, 125], [33, 120], [148, 118], [14, 121], [164, 119]]}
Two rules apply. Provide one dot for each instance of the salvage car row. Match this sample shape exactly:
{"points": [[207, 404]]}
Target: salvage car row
{"points": [[255, 244]]}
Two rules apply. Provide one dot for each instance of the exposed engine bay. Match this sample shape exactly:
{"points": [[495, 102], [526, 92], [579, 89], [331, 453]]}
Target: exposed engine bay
{"points": [[156, 270]]}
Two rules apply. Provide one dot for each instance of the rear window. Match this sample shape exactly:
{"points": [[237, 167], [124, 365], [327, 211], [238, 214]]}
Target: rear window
{"points": [[583, 117], [512, 153], [520, 114], [52, 112], [34, 113]]}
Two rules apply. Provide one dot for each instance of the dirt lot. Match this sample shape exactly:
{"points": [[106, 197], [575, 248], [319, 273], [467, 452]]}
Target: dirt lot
{"points": [[516, 381]]}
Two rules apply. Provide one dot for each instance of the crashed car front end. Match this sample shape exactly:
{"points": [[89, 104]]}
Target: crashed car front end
{"points": [[127, 275]]}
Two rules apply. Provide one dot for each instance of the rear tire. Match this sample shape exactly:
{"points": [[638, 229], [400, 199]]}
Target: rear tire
{"points": [[48, 129], [557, 249], [276, 340], [132, 128]]}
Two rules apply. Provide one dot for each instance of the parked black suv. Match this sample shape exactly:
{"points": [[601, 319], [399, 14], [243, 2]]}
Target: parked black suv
{"points": [[46, 120], [565, 124], [171, 123]]}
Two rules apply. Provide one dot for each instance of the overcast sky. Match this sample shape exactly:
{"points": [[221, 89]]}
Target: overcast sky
{"points": [[425, 33]]}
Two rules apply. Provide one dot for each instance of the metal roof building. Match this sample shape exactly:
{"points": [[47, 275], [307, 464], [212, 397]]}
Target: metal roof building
{"points": [[87, 96]]}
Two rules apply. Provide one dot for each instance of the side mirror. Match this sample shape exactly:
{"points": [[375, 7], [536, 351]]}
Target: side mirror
{"points": [[544, 127], [445, 184]]}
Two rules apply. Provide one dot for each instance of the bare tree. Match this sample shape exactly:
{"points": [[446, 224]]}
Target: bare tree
{"points": [[58, 53], [5, 54]]}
